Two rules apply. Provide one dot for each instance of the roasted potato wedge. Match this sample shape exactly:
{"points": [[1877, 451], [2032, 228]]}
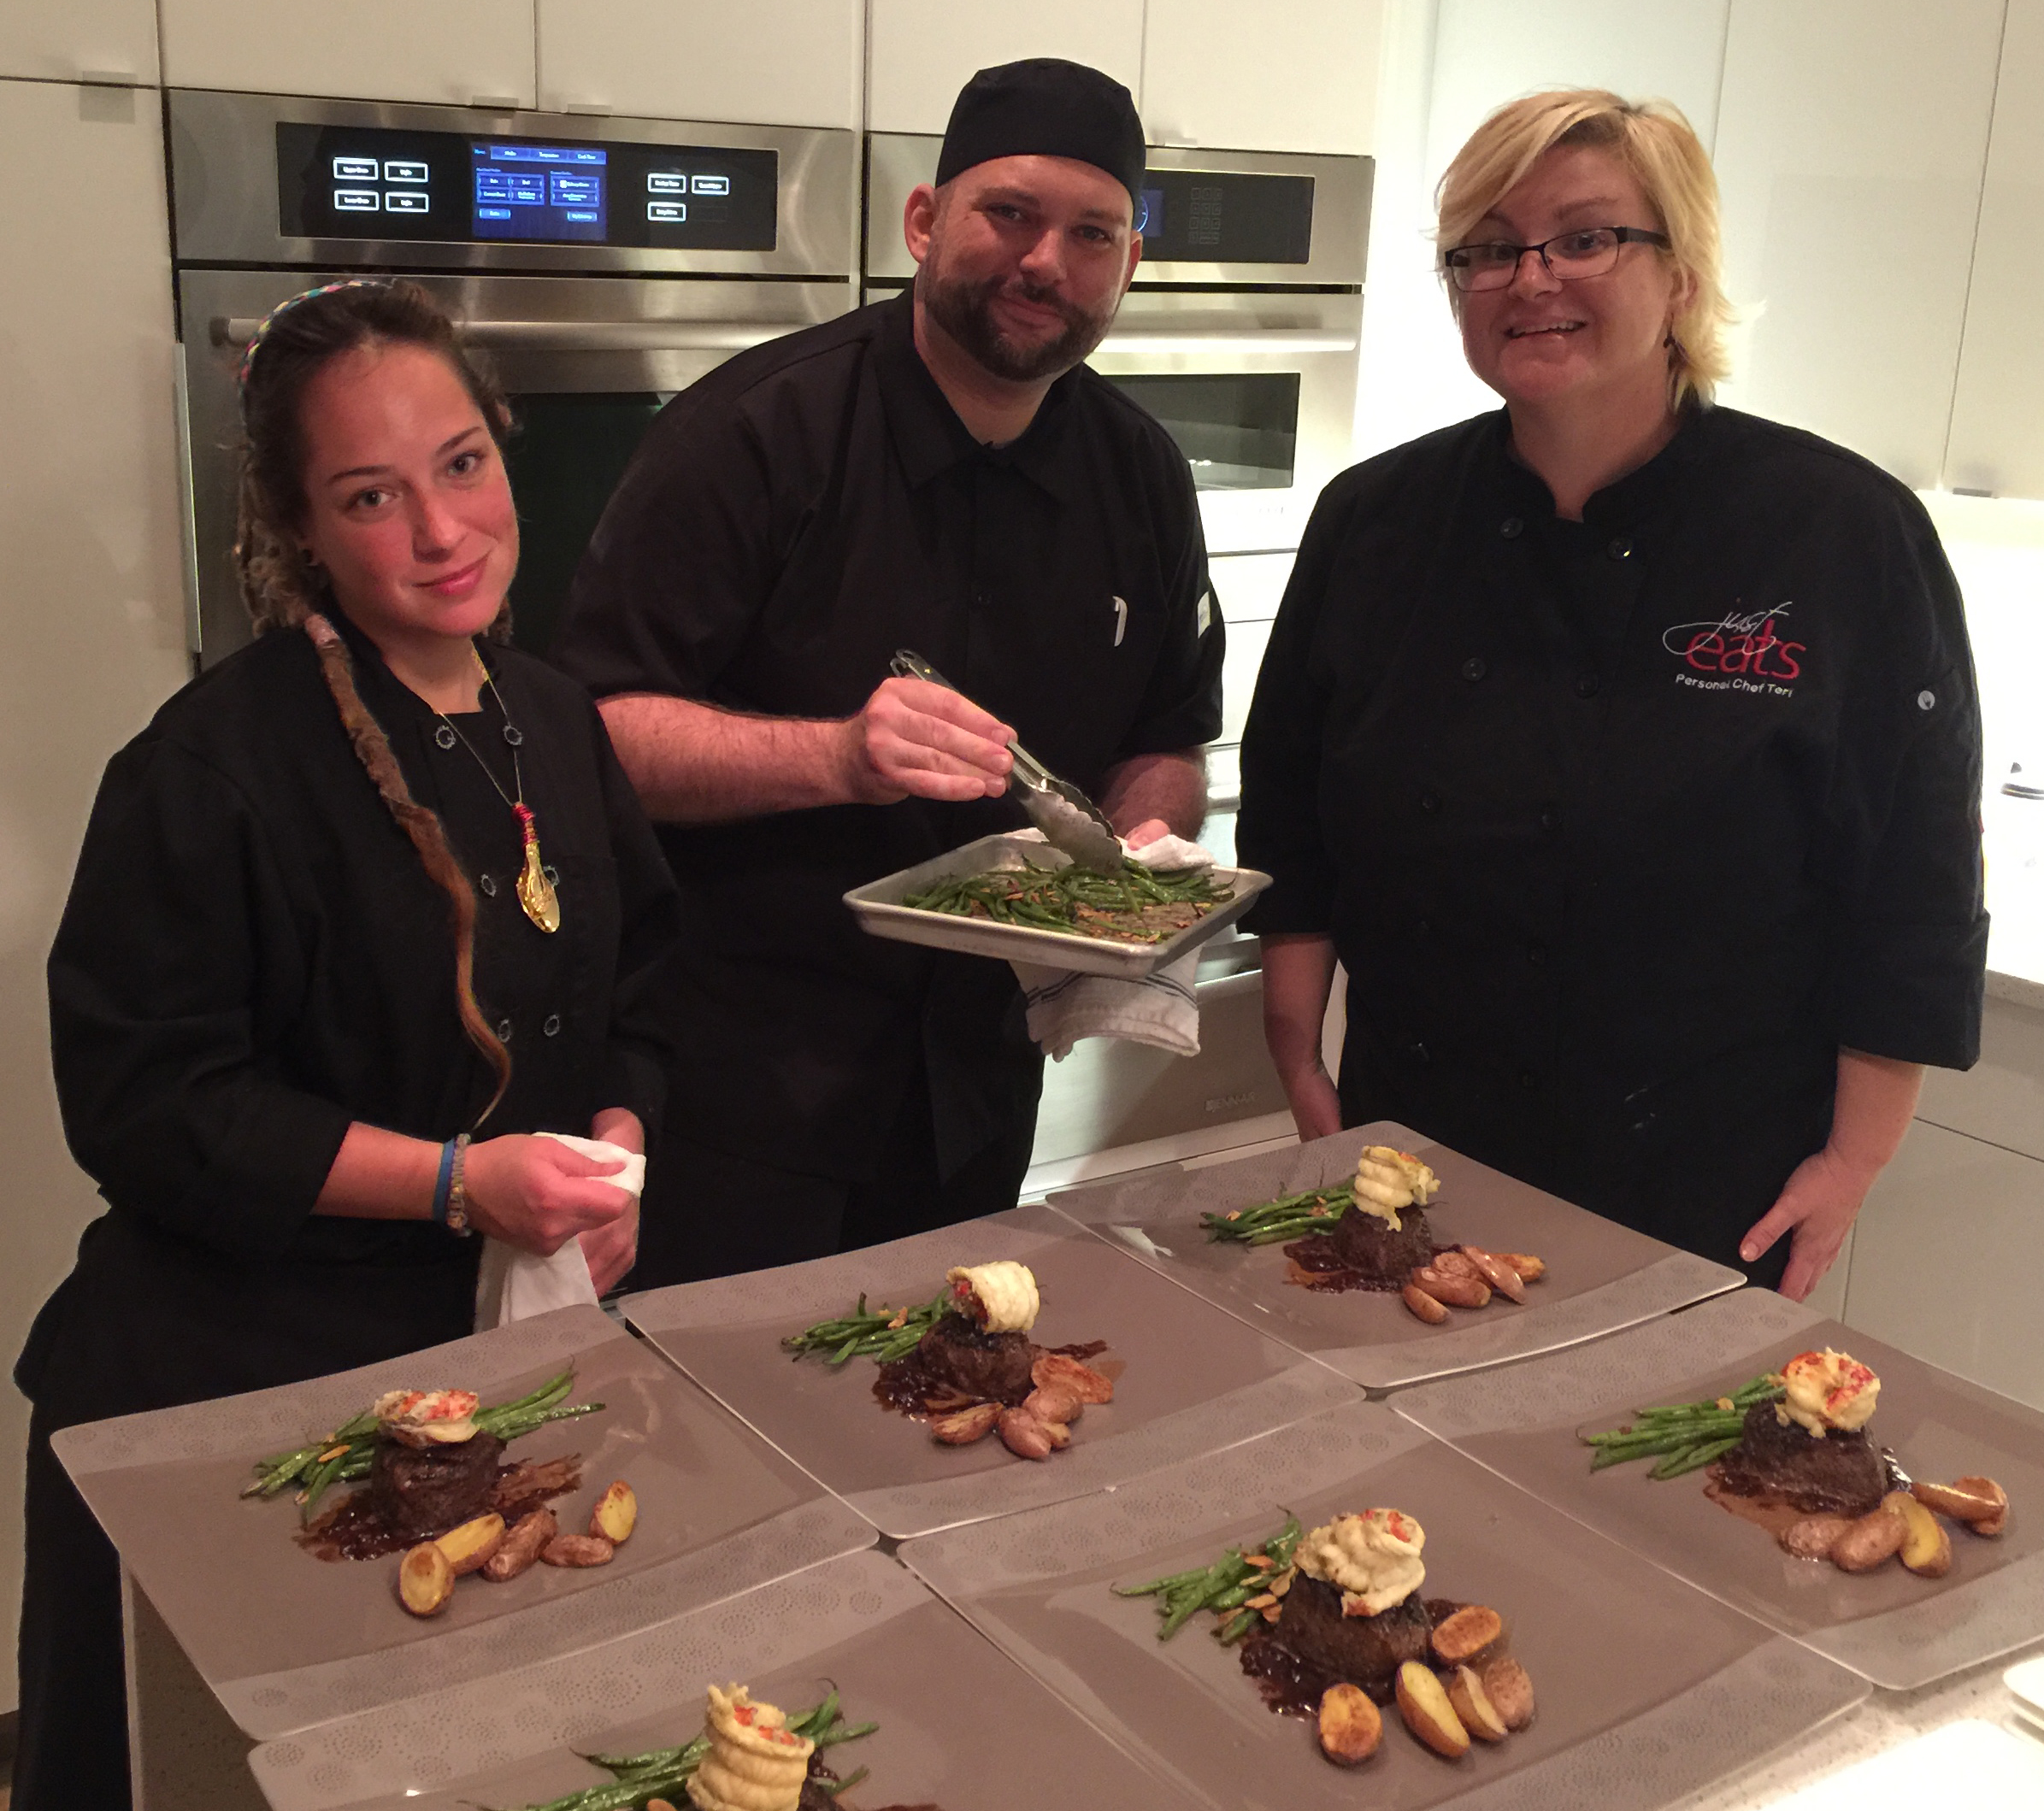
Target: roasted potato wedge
{"points": [[964, 1426], [1456, 1263], [1497, 1272], [1978, 1503], [1530, 1268], [1428, 1310], [1472, 1704], [1509, 1689], [1023, 1435], [1814, 1537], [1054, 1403], [1423, 1703], [1466, 1634], [577, 1550], [522, 1546], [1088, 1384], [425, 1579], [1871, 1541], [616, 1515], [1351, 1727], [1926, 1547], [470, 1547], [1455, 1291]]}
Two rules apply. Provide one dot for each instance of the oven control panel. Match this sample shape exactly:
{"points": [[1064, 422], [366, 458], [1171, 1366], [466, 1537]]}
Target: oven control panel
{"points": [[1225, 217], [347, 182]]}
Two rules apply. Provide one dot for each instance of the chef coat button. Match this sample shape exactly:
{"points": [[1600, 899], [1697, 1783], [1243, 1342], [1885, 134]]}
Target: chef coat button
{"points": [[1511, 527], [1429, 803], [1926, 700], [1422, 1056], [1620, 549], [1529, 1080], [1473, 670], [503, 1031], [1536, 953], [488, 884], [552, 1027], [1549, 817], [444, 736], [552, 874], [1588, 686]]}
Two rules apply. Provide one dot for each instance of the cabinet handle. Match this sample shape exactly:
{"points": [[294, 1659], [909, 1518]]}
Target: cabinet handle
{"points": [[577, 336]]}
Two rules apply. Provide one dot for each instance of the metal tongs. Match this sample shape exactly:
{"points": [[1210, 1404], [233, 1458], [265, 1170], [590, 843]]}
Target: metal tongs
{"points": [[1069, 820]]}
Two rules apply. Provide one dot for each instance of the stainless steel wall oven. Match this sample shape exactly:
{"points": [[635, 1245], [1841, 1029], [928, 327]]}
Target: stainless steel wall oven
{"points": [[600, 264]]}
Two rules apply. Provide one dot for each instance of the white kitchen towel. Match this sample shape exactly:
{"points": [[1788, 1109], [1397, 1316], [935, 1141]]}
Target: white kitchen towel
{"points": [[1160, 1009], [514, 1284]]}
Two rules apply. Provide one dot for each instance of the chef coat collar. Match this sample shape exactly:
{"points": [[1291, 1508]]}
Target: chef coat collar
{"points": [[930, 439], [368, 653], [1621, 502]]}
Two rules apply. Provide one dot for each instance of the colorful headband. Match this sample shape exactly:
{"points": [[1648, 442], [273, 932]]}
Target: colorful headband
{"points": [[270, 319]]}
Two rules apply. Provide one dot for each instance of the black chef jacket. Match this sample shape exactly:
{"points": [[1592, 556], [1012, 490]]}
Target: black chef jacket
{"points": [[1622, 827], [253, 955], [788, 523]]}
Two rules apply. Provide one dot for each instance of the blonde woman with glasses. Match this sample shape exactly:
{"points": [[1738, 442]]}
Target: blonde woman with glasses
{"points": [[1623, 749]]}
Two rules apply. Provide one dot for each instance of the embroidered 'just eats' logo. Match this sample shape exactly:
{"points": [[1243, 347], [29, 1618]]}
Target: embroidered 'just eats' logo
{"points": [[1738, 653]]}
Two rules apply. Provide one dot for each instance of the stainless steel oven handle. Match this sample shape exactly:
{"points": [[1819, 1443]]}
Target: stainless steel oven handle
{"points": [[579, 335], [1227, 346]]}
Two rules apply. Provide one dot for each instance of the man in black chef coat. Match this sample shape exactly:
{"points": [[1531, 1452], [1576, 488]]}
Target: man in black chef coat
{"points": [[939, 471]]}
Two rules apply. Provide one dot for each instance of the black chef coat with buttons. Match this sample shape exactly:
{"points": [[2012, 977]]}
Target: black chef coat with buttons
{"points": [[788, 523], [252, 956], [1622, 828]]}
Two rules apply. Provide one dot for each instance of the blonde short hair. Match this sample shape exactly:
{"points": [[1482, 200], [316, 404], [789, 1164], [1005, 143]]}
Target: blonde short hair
{"points": [[1658, 146]]}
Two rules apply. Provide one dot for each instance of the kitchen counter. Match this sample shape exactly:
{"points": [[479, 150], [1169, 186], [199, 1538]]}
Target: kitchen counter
{"points": [[1886, 1724]]}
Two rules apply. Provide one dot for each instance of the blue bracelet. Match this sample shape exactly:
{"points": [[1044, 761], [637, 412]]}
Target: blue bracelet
{"points": [[444, 1187]]}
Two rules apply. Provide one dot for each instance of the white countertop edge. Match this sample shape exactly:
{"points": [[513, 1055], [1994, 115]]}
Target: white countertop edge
{"points": [[2017, 989]]}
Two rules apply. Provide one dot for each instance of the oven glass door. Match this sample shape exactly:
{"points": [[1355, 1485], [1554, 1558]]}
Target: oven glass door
{"points": [[587, 363], [1258, 389]]}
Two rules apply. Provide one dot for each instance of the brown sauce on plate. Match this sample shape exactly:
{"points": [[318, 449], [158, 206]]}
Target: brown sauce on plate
{"points": [[1316, 1264]]}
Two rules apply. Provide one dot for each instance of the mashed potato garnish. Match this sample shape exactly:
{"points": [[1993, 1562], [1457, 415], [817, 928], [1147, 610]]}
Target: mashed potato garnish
{"points": [[1372, 1559], [1389, 1179], [1001, 1296], [755, 1763], [429, 1417], [1827, 1390]]}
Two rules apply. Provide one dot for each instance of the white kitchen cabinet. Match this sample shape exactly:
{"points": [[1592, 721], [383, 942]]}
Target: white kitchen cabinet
{"points": [[924, 51], [1946, 1259], [1286, 75], [1996, 445], [91, 605], [452, 50], [83, 40], [770, 62], [1490, 51], [1852, 140]]}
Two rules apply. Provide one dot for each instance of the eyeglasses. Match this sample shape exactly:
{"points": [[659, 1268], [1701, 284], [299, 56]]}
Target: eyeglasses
{"points": [[1588, 251]]}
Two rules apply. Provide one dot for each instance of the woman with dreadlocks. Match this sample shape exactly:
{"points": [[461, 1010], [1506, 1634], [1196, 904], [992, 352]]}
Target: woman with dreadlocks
{"points": [[364, 908]]}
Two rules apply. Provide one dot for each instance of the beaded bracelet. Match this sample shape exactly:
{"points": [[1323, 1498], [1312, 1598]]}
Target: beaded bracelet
{"points": [[457, 1190]]}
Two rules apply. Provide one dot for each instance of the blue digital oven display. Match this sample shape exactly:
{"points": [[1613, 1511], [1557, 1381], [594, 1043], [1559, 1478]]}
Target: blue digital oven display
{"points": [[538, 192]]}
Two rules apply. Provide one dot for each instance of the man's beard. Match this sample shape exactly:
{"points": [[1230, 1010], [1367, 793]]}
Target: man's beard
{"points": [[964, 309]]}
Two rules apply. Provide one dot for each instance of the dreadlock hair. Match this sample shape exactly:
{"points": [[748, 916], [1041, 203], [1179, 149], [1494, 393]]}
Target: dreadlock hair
{"points": [[284, 588]]}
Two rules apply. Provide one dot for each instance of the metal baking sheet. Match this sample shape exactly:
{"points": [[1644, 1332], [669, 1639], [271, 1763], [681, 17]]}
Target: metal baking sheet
{"points": [[1645, 1689], [286, 1640], [878, 908], [961, 1725], [1189, 1378], [1890, 1627], [1601, 1276]]}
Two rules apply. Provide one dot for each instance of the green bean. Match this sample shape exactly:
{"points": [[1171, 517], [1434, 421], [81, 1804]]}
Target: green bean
{"points": [[1237, 1626], [835, 1786]]}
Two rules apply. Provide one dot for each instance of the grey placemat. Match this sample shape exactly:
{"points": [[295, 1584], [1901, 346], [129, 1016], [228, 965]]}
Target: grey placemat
{"points": [[960, 1724], [1647, 1688], [1189, 1379], [1601, 1276], [1889, 1626], [286, 1640]]}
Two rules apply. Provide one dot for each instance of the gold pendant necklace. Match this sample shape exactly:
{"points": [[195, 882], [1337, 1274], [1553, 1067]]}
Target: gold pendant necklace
{"points": [[536, 894]]}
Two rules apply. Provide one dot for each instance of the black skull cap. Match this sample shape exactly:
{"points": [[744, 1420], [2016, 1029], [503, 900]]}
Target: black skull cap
{"points": [[1046, 106]]}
